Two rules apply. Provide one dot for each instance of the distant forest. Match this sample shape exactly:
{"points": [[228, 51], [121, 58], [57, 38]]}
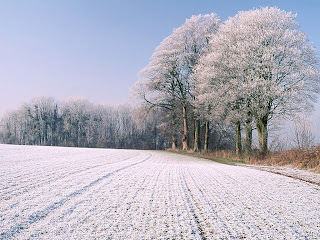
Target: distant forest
{"points": [[80, 123]]}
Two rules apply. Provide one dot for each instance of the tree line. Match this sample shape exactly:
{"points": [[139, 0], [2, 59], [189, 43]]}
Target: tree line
{"points": [[238, 74], [80, 123], [75, 123]]}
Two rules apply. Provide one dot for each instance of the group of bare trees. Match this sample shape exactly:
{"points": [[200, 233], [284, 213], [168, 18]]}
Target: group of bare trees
{"points": [[241, 73], [78, 123]]}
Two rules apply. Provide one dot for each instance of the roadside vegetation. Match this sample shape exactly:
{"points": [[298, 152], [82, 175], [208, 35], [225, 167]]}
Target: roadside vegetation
{"points": [[306, 159]]}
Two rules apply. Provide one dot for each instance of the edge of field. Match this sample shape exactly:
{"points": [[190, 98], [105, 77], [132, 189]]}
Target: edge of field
{"points": [[288, 171]]}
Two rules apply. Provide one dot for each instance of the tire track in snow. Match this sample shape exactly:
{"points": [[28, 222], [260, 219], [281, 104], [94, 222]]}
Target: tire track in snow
{"points": [[53, 191], [204, 203], [253, 202], [261, 206], [24, 189], [126, 192], [219, 196], [119, 210], [41, 214], [192, 206]]}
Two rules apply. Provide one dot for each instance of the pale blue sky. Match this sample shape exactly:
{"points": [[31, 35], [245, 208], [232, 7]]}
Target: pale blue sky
{"points": [[94, 49]]}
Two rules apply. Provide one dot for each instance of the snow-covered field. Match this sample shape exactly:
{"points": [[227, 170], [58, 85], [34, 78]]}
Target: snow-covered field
{"points": [[70, 193]]}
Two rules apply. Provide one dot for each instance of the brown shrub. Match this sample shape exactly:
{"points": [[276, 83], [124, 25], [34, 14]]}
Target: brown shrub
{"points": [[297, 158]]}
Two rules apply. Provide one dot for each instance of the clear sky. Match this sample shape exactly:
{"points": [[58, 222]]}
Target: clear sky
{"points": [[94, 49]]}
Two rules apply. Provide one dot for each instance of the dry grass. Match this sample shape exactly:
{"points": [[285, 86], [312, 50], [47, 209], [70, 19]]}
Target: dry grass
{"points": [[308, 159], [298, 158]]}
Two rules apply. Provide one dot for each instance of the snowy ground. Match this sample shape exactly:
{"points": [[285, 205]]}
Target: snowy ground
{"points": [[69, 193], [303, 175]]}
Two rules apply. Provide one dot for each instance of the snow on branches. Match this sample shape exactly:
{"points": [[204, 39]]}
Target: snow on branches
{"points": [[259, 65], [253, 67]]}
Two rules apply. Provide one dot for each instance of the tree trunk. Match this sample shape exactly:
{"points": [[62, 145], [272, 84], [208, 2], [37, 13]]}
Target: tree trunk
{"points": [[238, 139], [185, 128], [248, 144], [196, 144], [206, 137], [262, 128], [155, 137], [174, 146], [174, 141]]}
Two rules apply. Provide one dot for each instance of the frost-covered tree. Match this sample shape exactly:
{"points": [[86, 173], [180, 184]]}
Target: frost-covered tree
{"points": [[77, 122], [149, 120], [194, 36], [219, 94], [168, 79], [157, 87], [269, 65], [303, 135], [43, 114], [76, 114]]}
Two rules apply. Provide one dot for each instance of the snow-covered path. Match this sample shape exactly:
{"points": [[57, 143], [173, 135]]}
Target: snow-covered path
{"points": [[69, 193]]}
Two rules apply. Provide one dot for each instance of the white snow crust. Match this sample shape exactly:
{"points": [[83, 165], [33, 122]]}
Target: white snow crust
{"points": [[74, 193]]}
